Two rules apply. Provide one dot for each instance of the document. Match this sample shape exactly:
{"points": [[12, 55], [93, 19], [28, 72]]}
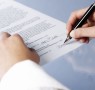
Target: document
{"points": [[39, 31]]}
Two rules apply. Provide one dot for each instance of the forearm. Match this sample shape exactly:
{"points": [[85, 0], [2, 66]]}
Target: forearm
{"points": [[27, 75]]}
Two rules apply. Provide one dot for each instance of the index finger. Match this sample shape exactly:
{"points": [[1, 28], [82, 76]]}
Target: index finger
{"points": [[75, 16]]}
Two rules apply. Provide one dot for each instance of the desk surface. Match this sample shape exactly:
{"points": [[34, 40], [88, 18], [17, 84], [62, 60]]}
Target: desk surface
{"points": [[77, 69]]}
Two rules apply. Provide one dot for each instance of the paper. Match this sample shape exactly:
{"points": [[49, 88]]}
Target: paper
{"points": [[39, 31]]}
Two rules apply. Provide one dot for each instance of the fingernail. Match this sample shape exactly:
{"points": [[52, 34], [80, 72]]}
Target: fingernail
{"points": [[72, 34]]}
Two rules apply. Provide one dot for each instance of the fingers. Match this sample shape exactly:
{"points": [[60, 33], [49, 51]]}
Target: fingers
{"points": [[87, 30], [37, 58], [84, 40], [17, 38], [4, 35], [75, 16], [92, 17], [32, 50], [83, 32], [90, 23]]}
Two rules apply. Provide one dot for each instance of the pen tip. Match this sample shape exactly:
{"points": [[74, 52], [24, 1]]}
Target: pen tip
{"points": [[65, 41], [68, 38]]}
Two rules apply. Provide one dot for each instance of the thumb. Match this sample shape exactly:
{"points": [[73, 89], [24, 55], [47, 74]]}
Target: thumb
{"points": [[83, 32]]}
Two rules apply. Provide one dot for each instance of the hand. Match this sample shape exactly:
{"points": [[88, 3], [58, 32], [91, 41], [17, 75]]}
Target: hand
{"points": [[12, 51], [87, 30]]}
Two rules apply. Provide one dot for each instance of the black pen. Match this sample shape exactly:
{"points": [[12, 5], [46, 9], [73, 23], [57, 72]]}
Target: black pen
{"points": [[82, 20]]}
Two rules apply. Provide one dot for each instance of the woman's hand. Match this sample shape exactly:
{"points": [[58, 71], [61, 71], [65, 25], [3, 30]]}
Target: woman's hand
{"points": [[12, 51], [87, 30]]}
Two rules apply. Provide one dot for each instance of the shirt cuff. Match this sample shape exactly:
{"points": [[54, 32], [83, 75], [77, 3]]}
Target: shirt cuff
{"points": [[26, 75]]}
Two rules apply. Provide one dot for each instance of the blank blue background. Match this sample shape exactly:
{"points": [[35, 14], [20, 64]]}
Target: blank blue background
{"points": [[82, 75], [60, 9]]}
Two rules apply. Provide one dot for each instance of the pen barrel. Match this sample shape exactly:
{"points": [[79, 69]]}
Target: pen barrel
{"points": [[82, 21], [85, 17]]}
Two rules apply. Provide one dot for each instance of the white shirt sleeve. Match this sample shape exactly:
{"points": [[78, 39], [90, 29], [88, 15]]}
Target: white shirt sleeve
{"points": [[27, 75]]}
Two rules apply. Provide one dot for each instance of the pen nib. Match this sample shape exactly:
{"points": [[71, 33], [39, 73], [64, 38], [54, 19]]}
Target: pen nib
{"points": [[65, 41]]}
